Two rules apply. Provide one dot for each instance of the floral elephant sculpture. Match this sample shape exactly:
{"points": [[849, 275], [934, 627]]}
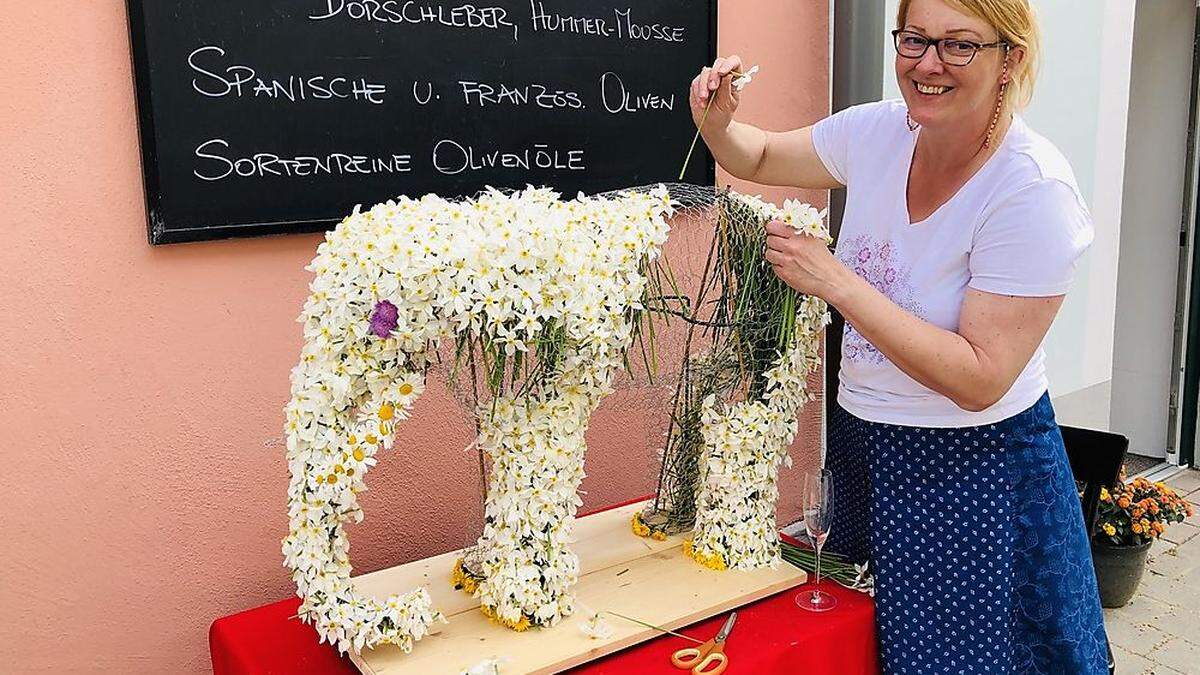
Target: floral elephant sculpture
{"points": [[548, 293]]}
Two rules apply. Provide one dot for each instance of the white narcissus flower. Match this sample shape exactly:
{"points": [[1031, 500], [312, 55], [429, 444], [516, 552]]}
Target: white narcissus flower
{"points": [[597, 628], [744, 79], [864, 581], [484, 667]]}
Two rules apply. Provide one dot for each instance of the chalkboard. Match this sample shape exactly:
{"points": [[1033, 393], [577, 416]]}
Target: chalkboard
{"points": [[278, 116]]}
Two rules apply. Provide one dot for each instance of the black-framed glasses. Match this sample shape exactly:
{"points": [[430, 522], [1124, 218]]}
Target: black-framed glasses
{"points": [[952, 51]]}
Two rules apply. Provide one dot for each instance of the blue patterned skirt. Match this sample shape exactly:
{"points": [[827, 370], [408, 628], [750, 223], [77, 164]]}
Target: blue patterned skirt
{"points": [[977, 541]]}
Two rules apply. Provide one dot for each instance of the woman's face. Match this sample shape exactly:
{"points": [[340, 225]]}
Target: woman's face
{"points": [[938, 94]]}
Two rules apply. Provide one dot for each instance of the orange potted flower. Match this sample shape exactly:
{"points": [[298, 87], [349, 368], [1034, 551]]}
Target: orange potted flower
{"points": [[1132, 515]]}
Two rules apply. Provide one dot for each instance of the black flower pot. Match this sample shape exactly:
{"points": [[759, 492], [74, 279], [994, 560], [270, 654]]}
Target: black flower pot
{"points": [[1119, 570]]}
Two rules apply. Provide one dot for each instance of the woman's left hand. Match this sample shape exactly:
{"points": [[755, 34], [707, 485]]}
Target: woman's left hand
{"points": [[803, 262]]}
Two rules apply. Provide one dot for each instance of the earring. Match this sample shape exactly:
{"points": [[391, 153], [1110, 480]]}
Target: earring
{"points": [[987, 142], [912, 126]]}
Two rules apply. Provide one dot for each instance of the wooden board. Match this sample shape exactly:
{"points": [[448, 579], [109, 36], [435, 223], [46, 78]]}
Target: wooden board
{"points": [[620, 572]]}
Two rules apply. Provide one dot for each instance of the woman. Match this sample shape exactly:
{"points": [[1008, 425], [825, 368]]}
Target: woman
{"points": [[960, 237]]}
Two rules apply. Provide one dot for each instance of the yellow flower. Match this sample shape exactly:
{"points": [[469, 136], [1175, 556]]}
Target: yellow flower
{"points": [[1109, 529], [638, 526], [713, 562], [460, 579], [520, 625], [386, 411], [1104, 496]]}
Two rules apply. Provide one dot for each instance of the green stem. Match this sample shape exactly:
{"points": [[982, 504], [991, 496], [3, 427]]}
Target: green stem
{"points": [[695, 138], [659, 628], [805, 558]]}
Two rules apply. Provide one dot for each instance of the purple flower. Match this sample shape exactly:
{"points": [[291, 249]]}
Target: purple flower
{"points": [[384, 319], [864, 254], [889, 275], [885, 251]]}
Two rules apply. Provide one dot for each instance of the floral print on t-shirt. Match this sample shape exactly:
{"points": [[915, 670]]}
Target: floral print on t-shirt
{"points": [[882, 265]]}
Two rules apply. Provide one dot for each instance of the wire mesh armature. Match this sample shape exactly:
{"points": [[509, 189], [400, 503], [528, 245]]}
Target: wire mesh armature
{"points": [[738, 319], [714, 319]]}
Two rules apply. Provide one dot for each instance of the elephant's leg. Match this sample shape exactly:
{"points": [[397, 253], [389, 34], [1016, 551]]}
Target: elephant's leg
{"points": [[522, 567]]}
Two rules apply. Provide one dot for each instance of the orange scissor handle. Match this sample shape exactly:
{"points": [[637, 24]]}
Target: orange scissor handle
{"points": [[716, 657], [698, 659], [686, 658]]}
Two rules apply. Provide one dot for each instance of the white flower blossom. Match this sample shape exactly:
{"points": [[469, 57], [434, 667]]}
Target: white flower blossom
{"points": [[864, 581], [744, 79], [597, 628], [484, 667]]}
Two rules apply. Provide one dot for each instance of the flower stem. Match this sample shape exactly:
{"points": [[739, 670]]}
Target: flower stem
{"points": [[695, 138], [659, 628], [683, 170]]}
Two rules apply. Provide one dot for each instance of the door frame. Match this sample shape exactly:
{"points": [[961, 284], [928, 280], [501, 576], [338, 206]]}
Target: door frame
{"points": [[1185, 378]]}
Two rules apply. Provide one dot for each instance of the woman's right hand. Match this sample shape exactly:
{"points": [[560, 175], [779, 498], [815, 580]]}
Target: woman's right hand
{"points": [[714, 82]]}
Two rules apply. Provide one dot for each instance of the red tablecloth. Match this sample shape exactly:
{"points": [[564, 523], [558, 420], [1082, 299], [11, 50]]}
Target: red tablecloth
{"points": [[771, 636]]}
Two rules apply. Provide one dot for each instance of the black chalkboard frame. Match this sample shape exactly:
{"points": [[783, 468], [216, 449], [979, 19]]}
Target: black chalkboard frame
{"points": [[157, 230]]}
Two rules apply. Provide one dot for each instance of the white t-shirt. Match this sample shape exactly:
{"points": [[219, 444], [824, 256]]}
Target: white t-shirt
{"points": [[1017, 227]]}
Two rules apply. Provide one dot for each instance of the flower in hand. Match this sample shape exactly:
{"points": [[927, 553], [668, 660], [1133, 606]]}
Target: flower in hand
{"points": [[802, 261], [740, 81]]}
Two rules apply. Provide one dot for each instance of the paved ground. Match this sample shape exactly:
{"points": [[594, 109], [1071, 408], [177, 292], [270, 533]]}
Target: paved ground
{"points": [[1159, 630]]}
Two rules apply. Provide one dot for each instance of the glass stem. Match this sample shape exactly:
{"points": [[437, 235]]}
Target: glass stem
{"points": [[818, 563]]}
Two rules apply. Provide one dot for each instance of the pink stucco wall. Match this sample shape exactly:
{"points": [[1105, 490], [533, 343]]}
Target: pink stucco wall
{"points": [[141, 388]]}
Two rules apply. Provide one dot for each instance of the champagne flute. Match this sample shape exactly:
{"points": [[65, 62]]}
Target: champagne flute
{"points": [[817, 499]]}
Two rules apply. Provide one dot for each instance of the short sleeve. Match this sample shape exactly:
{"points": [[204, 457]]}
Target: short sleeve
{"points": [[1030, 243], [835, 137]]}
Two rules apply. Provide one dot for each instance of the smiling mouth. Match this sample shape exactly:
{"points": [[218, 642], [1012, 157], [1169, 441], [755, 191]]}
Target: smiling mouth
{"points": [[931, 90]]}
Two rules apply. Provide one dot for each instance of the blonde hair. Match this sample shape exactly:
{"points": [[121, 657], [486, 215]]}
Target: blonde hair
{"points": [[1017, 25]]}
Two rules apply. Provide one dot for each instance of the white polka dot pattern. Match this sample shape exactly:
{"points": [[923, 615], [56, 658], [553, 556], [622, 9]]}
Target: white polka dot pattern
{"points": [[977, 542]]}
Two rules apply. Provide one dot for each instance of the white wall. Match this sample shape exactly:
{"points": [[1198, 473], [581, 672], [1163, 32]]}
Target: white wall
{"points": [[1151, 218], [1081, 103]]}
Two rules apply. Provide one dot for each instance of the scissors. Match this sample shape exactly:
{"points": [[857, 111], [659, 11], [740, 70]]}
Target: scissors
{"points": [[697, 659]]}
